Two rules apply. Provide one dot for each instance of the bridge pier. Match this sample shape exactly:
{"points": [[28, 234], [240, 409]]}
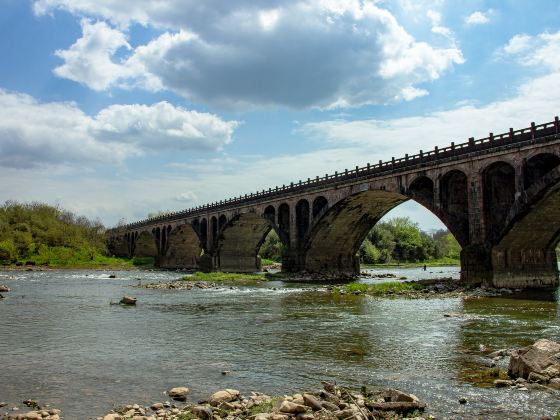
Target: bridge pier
{"points": [[525, 268], [476, 265]]}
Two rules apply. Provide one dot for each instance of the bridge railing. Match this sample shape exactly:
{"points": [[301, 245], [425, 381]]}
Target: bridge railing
{"points": [[534, 133]]}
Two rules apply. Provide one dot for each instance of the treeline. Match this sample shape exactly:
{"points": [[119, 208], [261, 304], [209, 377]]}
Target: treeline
{"points": [[37, 233], [398, 240]]}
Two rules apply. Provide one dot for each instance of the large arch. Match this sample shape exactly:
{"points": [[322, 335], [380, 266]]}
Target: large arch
{"points": [[183, 250], [525, 254], [145, 245], [454, 202], [336, 237], [203, 233], [118, 246], [498, 195], [240, 241]]}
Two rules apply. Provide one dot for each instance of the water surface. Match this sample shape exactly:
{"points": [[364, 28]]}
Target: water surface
{"points": [[61, 342]]}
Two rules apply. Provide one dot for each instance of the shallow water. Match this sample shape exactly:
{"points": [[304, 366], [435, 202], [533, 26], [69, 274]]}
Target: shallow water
{"points": [[63, 344]]}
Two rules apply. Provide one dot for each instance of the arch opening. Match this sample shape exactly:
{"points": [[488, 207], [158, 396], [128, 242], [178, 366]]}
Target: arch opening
{"points": [[284, 222], [204, 233], [214, 228], [222, 221], [320, 205], [270, 214], [302, 219], [422, 190], [537, 167], [498, 196], [454, 201]]}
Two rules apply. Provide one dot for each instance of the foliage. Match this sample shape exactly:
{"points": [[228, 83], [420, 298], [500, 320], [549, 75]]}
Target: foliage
{"points": [[272, 247], [400, 239], [40, 234], [264, 407]]}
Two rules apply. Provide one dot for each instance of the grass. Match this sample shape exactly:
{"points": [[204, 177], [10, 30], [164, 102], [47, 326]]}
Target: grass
{"points": [[264, 407], [430, 263], [71, 259], [217, 277], [380, 289], [266, 261]]}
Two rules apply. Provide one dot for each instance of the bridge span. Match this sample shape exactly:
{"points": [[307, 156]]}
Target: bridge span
{"points": [[499, 196]]}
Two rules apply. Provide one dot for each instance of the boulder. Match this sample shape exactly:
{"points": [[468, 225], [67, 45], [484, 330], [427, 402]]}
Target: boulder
{"points": [[502, 383], [312, 401], [178, 393], [292, 408], [542, 358], [225, 395], [127, 300], [4, 288], [203, 412]]}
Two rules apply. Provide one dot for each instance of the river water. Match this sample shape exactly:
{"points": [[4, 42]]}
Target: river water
{"points": [[62, 343]]}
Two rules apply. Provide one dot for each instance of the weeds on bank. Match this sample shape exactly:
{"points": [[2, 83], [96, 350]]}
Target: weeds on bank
{"points": [[264, 407], [217, 277], [380, 289]]}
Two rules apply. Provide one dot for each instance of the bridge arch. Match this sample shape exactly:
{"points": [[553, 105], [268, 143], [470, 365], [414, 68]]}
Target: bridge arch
{"points": [[145, 245], [270, 213], [320, 205], [537, 166], [184, 248], [454, 204], [222, 221], [214, 229], [203, 233], [336, 237], [421, 189], [240, 241], [525, 255], [302, 219], [498, 180], [284, 222]]}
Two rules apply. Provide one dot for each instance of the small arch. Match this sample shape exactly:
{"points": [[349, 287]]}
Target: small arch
{"points": [[145, 245], [422, 190], [454, 201], [320, 205], [204, 232], [222, 221], [214, 227], [302, 218], [270, 214], [284, 221], [499, 195], [538, 166]]}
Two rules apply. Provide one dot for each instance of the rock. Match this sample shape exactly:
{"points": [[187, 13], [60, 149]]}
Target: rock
{"points": [[498, 353], [178, 393], [502, 383], [554, 383], [3, 404], [203, 412], [32, 415], [535, 377], [292, 408], [127, 300], [226, 372], [4, 289], [112, 276], [156, 406], [539, 357], [112, 416], [326, 395], [31, 403], [327, 405], [394, 395], [462, 400], [262, 416], [311, 401], [279, 417], [225, 395]]}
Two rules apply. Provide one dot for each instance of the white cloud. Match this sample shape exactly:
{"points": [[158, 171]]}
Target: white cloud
{"points": [[534, 51], [478, 18], [187, 197], [239, 55], [35, 134], [518, 44], [89, 59]]}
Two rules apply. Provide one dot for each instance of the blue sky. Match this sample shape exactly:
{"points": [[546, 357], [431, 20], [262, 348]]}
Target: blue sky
{"points": [[118, 108]]}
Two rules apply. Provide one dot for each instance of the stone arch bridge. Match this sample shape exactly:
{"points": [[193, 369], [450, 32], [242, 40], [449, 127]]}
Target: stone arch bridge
{"points": [[499, 196]]}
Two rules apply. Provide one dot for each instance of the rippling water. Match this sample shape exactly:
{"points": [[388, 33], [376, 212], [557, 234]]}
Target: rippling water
{"points": [[63, 344]]}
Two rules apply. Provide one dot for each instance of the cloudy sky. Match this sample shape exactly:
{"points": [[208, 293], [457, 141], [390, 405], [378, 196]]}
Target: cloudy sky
{"points": [[118, 108]]}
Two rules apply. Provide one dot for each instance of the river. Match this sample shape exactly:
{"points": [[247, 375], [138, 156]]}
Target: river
{"points": [[62, 343]]}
